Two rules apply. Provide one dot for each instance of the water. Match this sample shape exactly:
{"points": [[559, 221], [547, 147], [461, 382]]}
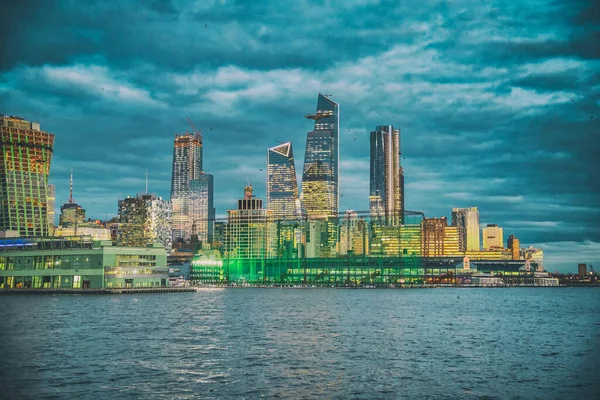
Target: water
{"points": [[303, 343]]}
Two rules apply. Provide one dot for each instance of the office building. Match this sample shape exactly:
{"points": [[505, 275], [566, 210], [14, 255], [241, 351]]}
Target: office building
{"points": [[187, 166], [201, 208], [79, 263], [513, 246], [51, 201], [467, 220], [25, 156], [282, 187], [320, 178], [250, 230], [386, 177], [71, 213], [354, 235], [582, 270], [143, 220], [492, 237], [433, 234]]}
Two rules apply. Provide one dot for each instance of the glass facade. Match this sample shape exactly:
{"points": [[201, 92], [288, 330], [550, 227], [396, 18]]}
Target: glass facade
{"points": [[320, 178], [144, 219], [25, 156], [282, 187], [386, 176], [201, 207], [187, 166]]}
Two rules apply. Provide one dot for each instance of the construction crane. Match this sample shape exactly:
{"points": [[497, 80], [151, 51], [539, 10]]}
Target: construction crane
{"points": [[194, 130]]}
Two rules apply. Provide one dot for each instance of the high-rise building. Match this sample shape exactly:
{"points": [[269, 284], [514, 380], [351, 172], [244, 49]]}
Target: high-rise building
{"points": [[71, 213], [51, 201], [582, 270], [201, 208], [320, 178], [433, 235], [513, 246], [143, 220], [250, 230], [25, 156], [354, 235], [467, 219], [282, 188], [492, 237], [386, 177], [187, 166]]}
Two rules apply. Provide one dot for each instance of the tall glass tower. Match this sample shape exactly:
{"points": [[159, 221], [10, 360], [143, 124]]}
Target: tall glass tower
{"points": [[25, 156], [320, 178], [282, 188], [187, 166], [386, 177]]}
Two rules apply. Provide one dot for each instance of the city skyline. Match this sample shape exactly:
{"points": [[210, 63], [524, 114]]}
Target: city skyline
{"points": [[494, 140]]}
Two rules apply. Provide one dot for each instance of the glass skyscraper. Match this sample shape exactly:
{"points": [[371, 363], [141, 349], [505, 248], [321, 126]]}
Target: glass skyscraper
{"points": [[25, 156], [386, 177], [187, 166], [201, 207], [282, 187], [320, 178]]}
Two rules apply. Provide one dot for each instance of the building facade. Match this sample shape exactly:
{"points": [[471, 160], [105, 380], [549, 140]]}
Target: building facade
{"points": [[514, 247], [386, 177], [282, 186], [201, 208], [25, 157], [467, 220], [250, 229], [320, 178], [492, 237], [143, 220], [51, 202], [187, 166], [79, 263]]}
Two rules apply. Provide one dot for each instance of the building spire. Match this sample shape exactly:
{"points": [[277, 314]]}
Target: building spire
{"points": [[146, 180], [71, 189]]}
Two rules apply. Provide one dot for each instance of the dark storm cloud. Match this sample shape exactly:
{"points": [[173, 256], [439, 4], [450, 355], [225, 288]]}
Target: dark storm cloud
{"points": [[497, 101]]}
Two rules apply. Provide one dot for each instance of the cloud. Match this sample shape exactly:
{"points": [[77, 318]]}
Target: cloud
{"points": [[494, 100]]}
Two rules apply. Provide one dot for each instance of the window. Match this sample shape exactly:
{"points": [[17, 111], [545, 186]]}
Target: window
{"points": [[77, 282]]}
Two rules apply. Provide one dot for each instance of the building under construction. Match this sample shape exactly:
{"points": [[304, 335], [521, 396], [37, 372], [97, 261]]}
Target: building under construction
{"points": [[25, 156]]}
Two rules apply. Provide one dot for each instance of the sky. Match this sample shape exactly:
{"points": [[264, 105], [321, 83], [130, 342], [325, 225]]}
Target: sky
{"points": [[498, 102]]}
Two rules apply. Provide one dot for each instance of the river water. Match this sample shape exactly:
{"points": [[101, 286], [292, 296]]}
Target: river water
{"points": [[303, 343]]}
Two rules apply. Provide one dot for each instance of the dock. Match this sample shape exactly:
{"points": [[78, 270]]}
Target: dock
{"points": [[97, 291]]}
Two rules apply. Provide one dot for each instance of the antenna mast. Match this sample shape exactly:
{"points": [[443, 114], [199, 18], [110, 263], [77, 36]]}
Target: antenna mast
{"points": [[71, 189]]}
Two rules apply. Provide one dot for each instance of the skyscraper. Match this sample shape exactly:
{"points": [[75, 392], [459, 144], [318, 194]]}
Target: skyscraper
{"points": [[250, 232], [492, 237], [467, 219], [50, 205], [187, 166], [387, 177], [201, 207], [25, 156], [71, 213], [320, 178], [145, 219], [282, 188]]}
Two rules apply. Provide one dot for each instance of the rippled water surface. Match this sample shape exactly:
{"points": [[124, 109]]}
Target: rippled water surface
{"points": [[303, 343]]}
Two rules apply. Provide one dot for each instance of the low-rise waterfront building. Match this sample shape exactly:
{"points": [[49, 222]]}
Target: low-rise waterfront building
{"points": [[79, 263]]}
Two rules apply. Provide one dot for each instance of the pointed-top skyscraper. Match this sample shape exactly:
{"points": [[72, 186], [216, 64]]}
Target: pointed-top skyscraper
{"points": [[320, 178], [282, 187]]}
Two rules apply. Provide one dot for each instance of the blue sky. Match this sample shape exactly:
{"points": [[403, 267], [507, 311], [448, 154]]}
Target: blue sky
{"points": [[497, 101]]}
